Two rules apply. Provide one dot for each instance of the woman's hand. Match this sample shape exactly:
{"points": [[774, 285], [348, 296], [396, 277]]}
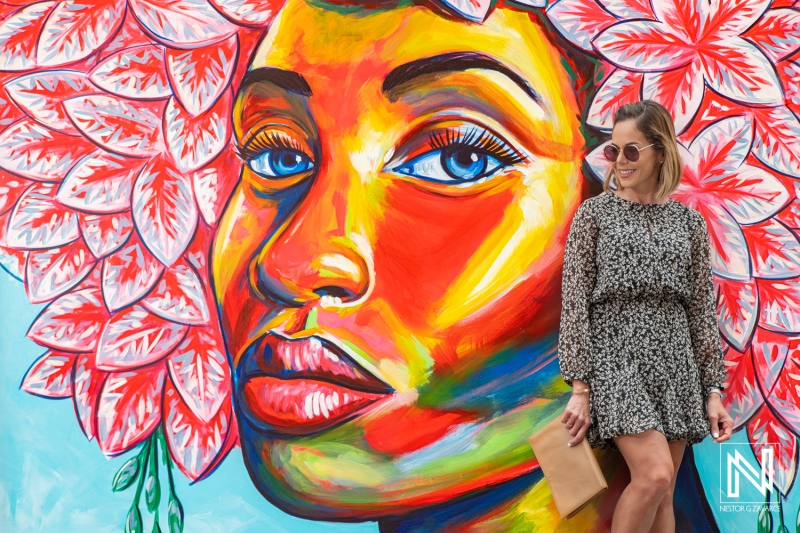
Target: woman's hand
{"points": [[576, 417], [721, 421]]}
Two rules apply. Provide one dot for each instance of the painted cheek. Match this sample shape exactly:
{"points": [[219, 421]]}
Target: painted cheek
{"points": [[425, 242], [410, 428]]}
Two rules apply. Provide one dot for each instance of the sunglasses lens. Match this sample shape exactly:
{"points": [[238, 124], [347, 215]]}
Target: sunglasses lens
{"points": [[611, 153], [631, 153]]}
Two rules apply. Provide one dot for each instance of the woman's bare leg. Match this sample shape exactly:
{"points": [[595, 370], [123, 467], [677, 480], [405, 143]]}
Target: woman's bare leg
{"points": [[650, 463], [664, 521]]}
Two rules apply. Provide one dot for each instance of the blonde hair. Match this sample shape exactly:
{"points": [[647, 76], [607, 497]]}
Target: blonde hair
{"points": [[655, 122]]}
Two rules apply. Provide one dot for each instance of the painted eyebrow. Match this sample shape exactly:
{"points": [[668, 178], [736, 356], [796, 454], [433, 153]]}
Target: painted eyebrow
{"points": [[285, 79], [453, 62]]}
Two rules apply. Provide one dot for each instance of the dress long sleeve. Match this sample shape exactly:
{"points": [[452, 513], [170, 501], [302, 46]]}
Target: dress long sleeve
{"points": [[702, 314], [578, 281]]}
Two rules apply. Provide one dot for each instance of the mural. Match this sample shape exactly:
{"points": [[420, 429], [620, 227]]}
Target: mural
{"points": [[330, 234]]}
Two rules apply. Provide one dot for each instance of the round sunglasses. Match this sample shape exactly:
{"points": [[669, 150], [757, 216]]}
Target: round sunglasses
{"points": [[631, 152]]}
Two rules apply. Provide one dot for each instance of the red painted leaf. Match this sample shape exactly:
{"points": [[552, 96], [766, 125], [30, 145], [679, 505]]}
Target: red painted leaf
{"points": [[765, 430], [194, 141], [32, 151], [774, 250], [643, 45], [72, 323], [11, 259], [780, 304], [101, 182], [129, 274], [737, 308], [182, 23], [629, 9], [777, 139], [39, 221], [742, 395], [18, 36], [136, 73], [196, 446], [105, 233], [74, 30], [129, 35], [621, 87], [179, 296], [248, 12], [214, 183], [11, 188], [770, 350], [41, 95], [200, 371], [680, 91], [579, 20], [129, 409], [51, 375], [52, 272], [164, 209], [738, 70], [87, 384], [134, 338], [127, 127], [777, 33], [200, 76]]}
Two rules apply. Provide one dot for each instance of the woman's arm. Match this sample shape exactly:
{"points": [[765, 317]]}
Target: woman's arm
{"points": [[578, 281], [702, 313]]}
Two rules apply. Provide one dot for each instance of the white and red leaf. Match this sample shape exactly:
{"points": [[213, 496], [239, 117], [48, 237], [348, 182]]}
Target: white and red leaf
{"points": [[777, 33], [776, 141], [770, 350], [620, 88], [19, 34], [774, 250], [780, 304], [71, 323], [194, 141], [248, 12], [87, 385], [738, 70], [200, 371], [75, 30], [41, 95], [214, 183], [11, 188], [101, 182], [134, 338], [179, 296], [182, 23], [53, 271], [127, 127], [164, 209], [643, 45], [742, 395], [629, 9], [39, 221], [136, 73], [579, 21], [129, 274], [196, 446], [129, 408], [729, 254], [764, 429], [200, 76], [104, 234], [680, 91], [35, 152], [51, 375], [737, 308]]}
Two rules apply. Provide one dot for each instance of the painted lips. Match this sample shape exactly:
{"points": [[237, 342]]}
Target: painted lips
{"points": [[307, 385]]}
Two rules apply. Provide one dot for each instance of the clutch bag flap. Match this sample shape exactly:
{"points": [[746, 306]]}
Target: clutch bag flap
{"points": [[573, 473]]}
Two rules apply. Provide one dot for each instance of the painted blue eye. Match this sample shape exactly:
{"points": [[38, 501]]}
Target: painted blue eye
{"points": [[459, 164], [280, 163]]}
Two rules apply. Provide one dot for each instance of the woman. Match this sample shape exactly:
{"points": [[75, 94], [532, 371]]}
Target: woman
{"points": [[639, 340]]}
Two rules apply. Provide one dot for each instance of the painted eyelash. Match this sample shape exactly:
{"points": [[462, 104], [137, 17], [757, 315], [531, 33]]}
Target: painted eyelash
{"points": [[476, 138], [258, 143]]}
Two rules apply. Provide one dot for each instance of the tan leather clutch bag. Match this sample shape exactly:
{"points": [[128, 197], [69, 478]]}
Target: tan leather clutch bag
{"points": [[573, 473]]}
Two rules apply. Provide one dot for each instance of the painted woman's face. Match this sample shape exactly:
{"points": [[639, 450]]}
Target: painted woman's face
{"points": [[388, 269]]}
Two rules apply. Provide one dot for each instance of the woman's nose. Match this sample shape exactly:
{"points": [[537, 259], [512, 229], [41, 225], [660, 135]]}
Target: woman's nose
{"points": [[314, 256]]}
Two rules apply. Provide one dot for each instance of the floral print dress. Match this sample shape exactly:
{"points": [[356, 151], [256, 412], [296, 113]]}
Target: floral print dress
{"points": [[638, 319]]}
